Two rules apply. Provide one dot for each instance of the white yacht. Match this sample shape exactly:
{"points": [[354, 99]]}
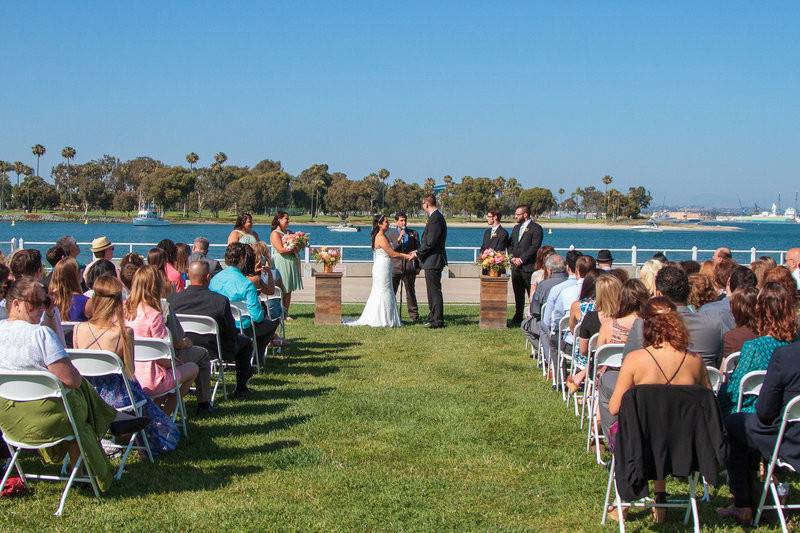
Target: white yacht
{"points": [[148, 217], [343, 227]]}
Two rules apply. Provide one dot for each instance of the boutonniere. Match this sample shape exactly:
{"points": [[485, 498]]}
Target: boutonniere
{"points": [[524, 230]]}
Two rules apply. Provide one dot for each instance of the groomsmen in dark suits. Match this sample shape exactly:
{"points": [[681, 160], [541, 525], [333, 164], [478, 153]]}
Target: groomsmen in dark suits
{"points": [[434, 258], [526, 238], [405, 240], [495, 236]]}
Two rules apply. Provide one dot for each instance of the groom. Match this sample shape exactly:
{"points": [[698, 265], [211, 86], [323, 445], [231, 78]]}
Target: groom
{"points": [[434, 257]]}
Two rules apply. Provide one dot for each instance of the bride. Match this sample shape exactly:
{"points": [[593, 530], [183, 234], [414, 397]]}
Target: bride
{"points": [[381, 308]]}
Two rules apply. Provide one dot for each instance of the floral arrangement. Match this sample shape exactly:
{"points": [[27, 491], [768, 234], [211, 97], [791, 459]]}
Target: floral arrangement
{"points": [[493, 261], [295, 242], [327, 256]]}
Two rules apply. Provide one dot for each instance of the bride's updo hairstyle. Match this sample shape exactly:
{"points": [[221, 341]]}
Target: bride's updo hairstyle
{"points": [[279, 215], [377, 220], [663, 325]]}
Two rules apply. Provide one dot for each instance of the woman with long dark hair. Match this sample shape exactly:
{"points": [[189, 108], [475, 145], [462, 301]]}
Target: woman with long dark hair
{"points": [[381, 308], [243, 230], [285, 260], [172, 273]]}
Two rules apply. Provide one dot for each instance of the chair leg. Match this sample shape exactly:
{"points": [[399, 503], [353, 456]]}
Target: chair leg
{"points": [[11, 465], [778, 506], [146, 444], [125, 455], [70, 481]]}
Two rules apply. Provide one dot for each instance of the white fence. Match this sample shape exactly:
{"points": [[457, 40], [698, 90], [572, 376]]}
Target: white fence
{"points": [[456, 254]]}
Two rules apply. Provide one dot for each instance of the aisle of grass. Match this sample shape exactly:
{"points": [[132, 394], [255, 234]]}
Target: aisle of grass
{"points": [[357, 429]]}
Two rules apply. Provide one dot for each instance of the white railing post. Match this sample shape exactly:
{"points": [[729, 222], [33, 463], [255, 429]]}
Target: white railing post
{"points": [[307, 254], [783, 258], [474, 255], [341, 254], [634, 258], [753, 254], [21, 244], [13, 244], [571, 247], [694, 253], [130, 248]]}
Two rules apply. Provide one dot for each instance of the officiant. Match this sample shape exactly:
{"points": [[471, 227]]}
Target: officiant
{"points": [[404, 239], [495, 237]]}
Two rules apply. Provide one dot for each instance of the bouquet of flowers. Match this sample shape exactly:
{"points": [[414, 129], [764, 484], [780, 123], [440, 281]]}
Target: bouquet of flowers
{"points": [[493, 261], [295, 242], [327, 256]]}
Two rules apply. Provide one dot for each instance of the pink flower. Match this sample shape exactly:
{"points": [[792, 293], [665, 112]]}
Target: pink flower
{"points": [[498, 259]]}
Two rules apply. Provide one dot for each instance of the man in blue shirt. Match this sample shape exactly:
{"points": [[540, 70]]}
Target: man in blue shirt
{"points": [[238, 287]]}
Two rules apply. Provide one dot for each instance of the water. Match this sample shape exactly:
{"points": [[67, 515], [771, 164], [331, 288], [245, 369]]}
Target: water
{"points": [[762, 236]]}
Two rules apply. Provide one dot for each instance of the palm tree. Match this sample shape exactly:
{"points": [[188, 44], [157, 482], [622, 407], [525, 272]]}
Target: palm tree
{"points": [[317, 184], [607, 181], [19, 168], [561, 192], [193, 158], [38, 150], [220, 158], [383, 175], [4, 167], [68, 153]]}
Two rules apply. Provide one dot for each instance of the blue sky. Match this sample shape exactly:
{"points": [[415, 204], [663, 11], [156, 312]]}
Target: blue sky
{"points": [[697, 102]]}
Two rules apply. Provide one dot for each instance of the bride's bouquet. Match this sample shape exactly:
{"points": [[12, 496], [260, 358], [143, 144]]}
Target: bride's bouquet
{"points": [[294, 242], [493, 262]]}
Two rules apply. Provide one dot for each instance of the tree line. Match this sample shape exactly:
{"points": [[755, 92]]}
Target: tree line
{"points": [[108, 183]]}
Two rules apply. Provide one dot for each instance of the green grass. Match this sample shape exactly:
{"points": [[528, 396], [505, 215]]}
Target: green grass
{"points": [[363, 429]]}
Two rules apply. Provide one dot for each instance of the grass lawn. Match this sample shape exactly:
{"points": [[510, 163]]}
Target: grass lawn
{"points": [[359, 429]]}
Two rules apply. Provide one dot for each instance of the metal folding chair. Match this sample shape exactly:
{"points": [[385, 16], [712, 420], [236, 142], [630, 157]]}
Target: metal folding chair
{"points": [[27, 386], [729, 365], [239, 310], [610, 356], [715, 377], [750, 386], [151, 350], [791, 415], [559, 377], [589, 381], [204, 325], [97, 363]]}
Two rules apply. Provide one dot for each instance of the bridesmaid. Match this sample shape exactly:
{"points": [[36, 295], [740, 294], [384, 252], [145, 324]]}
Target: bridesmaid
{"points": [[286, 261], [243, 230]]}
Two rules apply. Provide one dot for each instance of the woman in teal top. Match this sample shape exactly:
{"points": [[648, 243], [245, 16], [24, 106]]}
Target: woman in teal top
{"points": [[777, 326], [285, 261], [243, 230]]}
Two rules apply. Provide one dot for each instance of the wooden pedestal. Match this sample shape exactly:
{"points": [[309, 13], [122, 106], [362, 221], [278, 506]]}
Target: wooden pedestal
{"points": [[494, 307], [328, 298]]}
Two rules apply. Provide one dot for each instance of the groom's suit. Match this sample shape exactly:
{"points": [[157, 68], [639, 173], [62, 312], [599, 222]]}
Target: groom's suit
{"points": [[433, 256]]}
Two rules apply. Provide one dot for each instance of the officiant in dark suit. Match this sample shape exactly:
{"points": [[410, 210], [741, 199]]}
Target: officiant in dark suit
{"points": [[526, 238], [495, 237], [433, 256], [405, 240]]}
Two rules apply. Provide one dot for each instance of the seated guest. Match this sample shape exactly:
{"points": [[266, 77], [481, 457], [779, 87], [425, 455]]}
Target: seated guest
{"points": [[200, 253], [743, 307], [546, 333], [126, 274], [721, 307], [131, 259], [54, 255], [647, 274], [196, 299], [158, 258], [661, 257], [26, 345], [182, 252], [793, 264], [5, 284], [665, 359], [779, 274], [231, 282], [65, 287], [28, 263], [270, 279], [605, 261], [70, 246], [768, 260], [172, 273], [690, 267], [106, 331], [701, 291], [102, 248], [722, 254], [101, 267], [620, 273], [143, 314], [776, 326], [538, 266], [555, 273], [752, 436], [632, 298], [760, 269], [562, 304], [707, 268]]}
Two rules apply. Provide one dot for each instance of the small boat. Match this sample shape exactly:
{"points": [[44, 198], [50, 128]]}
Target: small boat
{"points": [[343, 227], [549, 231], [650, 227], [148, 217]]}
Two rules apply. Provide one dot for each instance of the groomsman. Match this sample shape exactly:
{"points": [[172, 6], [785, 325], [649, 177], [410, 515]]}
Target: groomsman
{"points": [[526, 238], [495, 236], [405, 240]]}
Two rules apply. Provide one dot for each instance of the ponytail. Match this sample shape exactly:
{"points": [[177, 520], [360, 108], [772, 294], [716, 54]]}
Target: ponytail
{"points": [[279, 215]]}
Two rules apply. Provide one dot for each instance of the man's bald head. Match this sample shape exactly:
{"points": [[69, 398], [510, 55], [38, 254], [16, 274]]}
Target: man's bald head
{"points": [[198, 272], [793, 258], [722, 253]]}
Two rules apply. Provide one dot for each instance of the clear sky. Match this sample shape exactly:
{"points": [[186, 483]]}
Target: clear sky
{"points": [[698, 101]]}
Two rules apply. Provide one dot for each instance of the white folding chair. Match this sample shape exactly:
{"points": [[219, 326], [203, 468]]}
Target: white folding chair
{"points": [[589, 381], [715, 377], [729, 365], [68, 327], [277, 295], [27, 386], [97, 363], [205, 325], [540, 358], [239, 310], [750, 386], [609, 356], [150, 350], [559, 376], [574, 368], [791, 415]]}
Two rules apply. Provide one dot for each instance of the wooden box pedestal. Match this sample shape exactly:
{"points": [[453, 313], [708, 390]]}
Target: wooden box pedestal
{"points": [[494, 309], [328, 298]]}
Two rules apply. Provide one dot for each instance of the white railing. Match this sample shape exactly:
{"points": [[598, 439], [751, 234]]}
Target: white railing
{"points": [[466, 254]]}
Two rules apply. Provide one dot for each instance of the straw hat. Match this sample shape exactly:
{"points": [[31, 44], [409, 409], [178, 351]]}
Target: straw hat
{"points": [[101, 243]]}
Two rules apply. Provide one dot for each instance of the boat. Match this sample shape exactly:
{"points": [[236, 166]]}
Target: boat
{"points": [[650, 227], [771, 217], [148, 217], [343, 227]]}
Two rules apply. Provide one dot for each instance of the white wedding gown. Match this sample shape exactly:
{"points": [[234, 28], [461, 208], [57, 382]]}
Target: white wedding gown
{"points": [[381, 308]]}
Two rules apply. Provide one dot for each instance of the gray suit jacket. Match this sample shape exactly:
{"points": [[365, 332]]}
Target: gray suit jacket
{"points": [[543, 290], [213, 264], [705, 335], [721, 310]]}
